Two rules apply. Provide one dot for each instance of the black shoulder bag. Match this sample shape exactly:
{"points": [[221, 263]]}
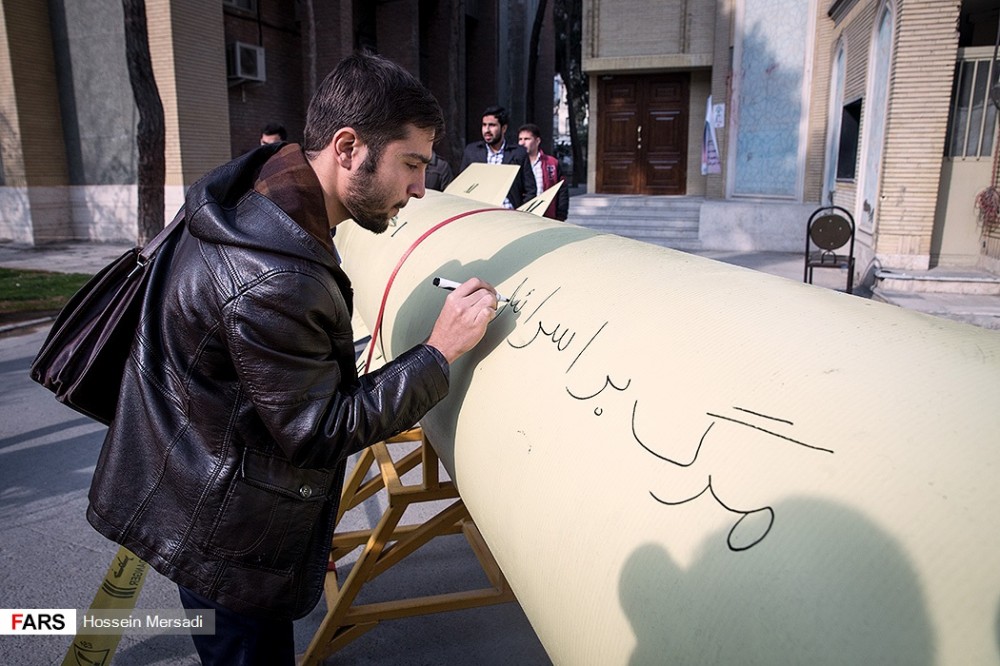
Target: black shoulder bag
{"points": [[83, 358]]}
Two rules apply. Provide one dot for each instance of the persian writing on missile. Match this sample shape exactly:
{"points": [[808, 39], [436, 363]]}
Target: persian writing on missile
{"points": [[536, 329]]}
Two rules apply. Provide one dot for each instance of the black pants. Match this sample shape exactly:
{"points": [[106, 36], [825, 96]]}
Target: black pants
{"points": [[241, 640]]}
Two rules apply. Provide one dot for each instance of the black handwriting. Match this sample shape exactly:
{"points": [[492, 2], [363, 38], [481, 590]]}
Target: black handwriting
{"points": [[560, 335], [766, 510]]}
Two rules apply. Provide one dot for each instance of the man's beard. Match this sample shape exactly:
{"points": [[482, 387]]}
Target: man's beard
{"points": [[366, 198]]}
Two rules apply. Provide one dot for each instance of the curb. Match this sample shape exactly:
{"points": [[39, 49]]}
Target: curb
{"points": [[7, 328]]}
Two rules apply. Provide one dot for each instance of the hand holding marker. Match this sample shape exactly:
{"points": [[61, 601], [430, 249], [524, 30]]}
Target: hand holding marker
{"points": [[450, 285]]}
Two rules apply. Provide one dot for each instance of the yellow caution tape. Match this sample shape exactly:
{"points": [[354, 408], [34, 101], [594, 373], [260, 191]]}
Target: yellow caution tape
{"points": [[119, 591]]}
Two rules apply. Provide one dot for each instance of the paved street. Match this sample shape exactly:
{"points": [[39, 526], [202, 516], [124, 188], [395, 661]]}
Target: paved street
{"points": [[50, 557]]}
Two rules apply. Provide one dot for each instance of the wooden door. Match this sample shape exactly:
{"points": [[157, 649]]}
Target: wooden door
{"points": [[642, 134]]}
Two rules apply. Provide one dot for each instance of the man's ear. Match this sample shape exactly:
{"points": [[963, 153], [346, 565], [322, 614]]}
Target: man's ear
{"points": [[345, 146]]}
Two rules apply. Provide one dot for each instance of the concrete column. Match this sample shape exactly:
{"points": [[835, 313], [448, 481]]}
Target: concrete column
{"points": [[332, 39], [715, 185], [187, 45], [482, 64], [442, 69], [34, 205], [398, 30], [923, 68]]}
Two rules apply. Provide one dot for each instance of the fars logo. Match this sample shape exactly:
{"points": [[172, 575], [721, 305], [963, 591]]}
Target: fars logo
{"points": [[38, 621]]}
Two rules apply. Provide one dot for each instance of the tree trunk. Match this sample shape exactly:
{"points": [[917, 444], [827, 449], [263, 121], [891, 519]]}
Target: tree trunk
{"points": [[568, 16], [150, 139]]}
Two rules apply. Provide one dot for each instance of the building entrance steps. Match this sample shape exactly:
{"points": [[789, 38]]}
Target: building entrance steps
{"points": [[661, 220], [939, 280]]}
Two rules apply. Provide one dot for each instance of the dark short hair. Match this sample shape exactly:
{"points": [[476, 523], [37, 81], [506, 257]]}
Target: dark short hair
{"points": [[275, 128], [531, 127], [501, 113], [374, 96]]}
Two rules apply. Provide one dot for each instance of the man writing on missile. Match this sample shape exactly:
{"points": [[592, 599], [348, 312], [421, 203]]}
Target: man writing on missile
{"points": [[241, 402]]}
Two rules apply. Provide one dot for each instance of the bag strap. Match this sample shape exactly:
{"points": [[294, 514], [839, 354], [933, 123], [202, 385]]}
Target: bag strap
{"points": [[146, 253]]}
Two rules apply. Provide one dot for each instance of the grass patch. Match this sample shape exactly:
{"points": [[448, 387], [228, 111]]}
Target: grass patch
{"points": [[25, 291]]}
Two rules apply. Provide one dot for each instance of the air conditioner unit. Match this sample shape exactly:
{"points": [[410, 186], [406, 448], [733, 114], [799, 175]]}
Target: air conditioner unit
{"points": [[245, 62]]}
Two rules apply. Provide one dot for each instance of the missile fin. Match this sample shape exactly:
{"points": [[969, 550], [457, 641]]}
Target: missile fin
{"points": [[540, 204], [488, 183]]}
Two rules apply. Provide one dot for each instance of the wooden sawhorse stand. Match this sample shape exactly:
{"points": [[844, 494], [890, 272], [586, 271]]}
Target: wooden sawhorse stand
{"points": [[388, 543]]}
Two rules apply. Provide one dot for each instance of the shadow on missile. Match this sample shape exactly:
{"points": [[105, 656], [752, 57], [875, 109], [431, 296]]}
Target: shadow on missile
{"points": [[826, 586], [505, 263], [997, 628]]}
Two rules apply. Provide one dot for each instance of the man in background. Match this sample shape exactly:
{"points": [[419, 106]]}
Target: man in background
{"points": [[273, 133], [438, 174], [493, 149], [545, 169]]}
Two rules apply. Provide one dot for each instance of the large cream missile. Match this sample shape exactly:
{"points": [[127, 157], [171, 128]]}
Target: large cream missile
{"points": [[678, 461]]}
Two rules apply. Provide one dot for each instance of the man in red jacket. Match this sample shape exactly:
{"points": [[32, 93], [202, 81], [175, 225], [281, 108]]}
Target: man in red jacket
{"points": [[546, 170]]}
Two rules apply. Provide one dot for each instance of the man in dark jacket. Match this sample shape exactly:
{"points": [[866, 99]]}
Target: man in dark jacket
{"points": [[438, 174], [494, 149], [240, 403]]}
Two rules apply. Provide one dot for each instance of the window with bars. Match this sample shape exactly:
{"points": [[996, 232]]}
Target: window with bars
{"points": [[972, 122]]}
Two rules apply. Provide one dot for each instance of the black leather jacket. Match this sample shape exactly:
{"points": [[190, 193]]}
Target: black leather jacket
{"points": [[224, 463]]}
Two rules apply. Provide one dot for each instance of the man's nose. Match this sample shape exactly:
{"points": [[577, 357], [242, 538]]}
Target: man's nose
{"points": [[417, 188]]}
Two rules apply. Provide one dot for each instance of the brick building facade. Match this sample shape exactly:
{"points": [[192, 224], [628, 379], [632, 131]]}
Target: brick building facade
{"points": [[855, 102], [67, 147]]}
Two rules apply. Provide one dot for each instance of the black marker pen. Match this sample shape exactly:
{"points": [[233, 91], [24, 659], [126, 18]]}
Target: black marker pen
{"points": [[450, 285]]}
